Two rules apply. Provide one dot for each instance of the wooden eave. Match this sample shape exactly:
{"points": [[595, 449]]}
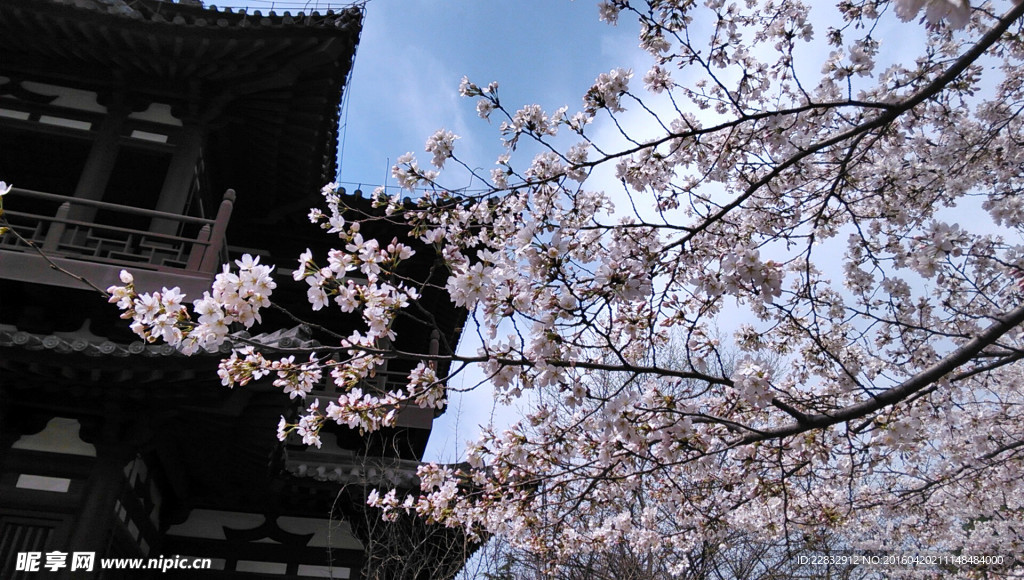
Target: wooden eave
{"points": [[249, 76]]}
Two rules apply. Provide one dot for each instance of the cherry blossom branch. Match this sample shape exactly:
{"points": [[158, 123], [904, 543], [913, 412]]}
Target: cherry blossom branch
{"points": [[7, 229], [885, 118], [894, 395]]}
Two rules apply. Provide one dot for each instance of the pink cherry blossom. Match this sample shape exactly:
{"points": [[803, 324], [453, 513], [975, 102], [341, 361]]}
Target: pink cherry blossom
{"points": [[781, 301]]}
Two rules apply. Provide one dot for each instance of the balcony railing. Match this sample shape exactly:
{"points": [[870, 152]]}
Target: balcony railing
{"points": [[111, 236]]}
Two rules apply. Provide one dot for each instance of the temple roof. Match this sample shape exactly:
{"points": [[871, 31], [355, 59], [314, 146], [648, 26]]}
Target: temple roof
{"points": [[196, 13], [268, 86]]}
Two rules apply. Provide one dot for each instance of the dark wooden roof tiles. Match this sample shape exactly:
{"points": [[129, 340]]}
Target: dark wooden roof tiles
{"points": [[197, 15], [84, 342]]}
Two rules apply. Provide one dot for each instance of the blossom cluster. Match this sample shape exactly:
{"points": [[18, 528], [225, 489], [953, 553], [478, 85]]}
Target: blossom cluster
{"points": [[235, 298], [956, 12]]}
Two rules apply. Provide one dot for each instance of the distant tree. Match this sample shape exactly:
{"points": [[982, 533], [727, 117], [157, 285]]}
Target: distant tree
{"points": [[745, 557], [845, 181], [403, 546]]}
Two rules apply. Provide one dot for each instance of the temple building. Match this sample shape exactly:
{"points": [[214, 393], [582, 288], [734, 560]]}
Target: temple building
{"points": [[168, 138]]}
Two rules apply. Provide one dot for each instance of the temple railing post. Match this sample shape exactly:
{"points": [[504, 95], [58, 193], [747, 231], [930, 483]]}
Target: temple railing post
{"points": [[211, 257], [199, 247]]}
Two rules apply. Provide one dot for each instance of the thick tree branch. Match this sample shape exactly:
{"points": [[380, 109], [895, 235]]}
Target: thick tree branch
{"points": [[894, 395]]}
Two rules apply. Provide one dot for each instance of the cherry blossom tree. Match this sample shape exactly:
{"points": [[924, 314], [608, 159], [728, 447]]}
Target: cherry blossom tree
{"points": [[727, 555], [845, 182]]}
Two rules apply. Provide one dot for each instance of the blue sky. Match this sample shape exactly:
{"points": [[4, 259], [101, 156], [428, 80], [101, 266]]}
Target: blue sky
{"points": [[404, 87], [413, 53]]}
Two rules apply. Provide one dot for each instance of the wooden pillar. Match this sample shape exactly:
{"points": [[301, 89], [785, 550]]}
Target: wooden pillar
{"points": [[94, 522], [180, 174], [92, 184], [9, 432]]}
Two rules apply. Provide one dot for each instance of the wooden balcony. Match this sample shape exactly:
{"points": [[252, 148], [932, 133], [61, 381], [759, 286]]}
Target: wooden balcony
{"points": [[96, 240]]}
